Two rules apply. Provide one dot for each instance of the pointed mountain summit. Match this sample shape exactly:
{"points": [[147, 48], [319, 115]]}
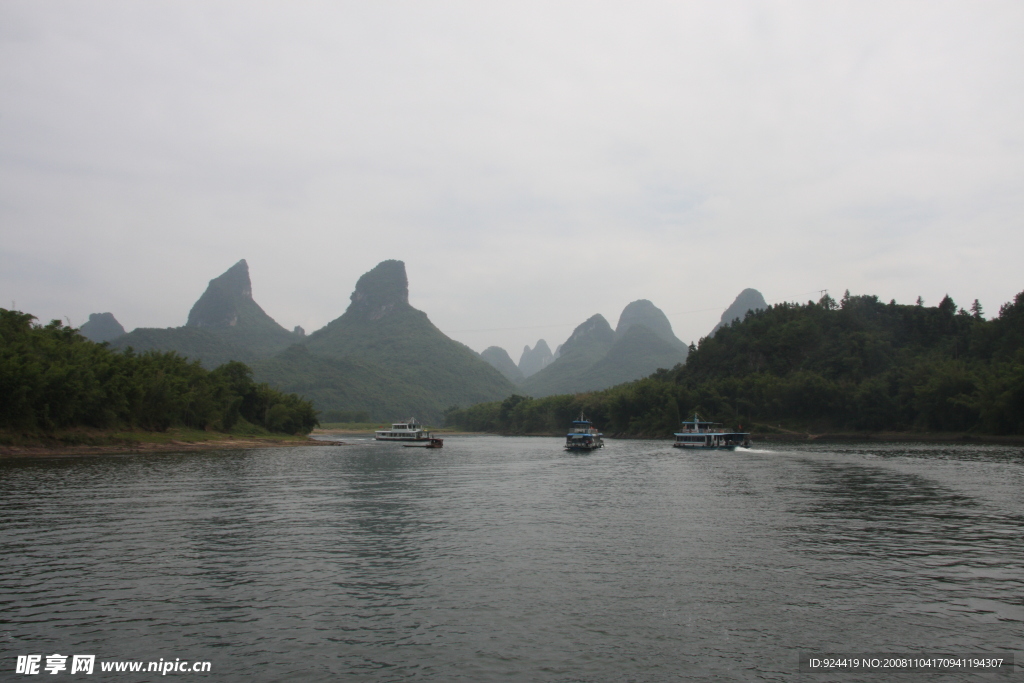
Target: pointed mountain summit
{"points": [[638, 353], [228, 309], [382, 337], [596, 358], [102, 327], [535, 359], [643, 312], [502, 362], [588, 343], [224, 296], [592, 336], [224, 324], [748, 300]]}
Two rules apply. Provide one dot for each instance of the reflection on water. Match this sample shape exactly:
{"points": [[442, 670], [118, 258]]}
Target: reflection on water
{"points": [[506, 558]]}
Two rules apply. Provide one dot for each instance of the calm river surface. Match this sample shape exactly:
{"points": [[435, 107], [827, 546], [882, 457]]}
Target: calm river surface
{"points": [[506, 559]]}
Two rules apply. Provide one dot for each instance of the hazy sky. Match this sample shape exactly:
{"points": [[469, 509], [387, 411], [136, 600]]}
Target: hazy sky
{"points": [[533, 163]]}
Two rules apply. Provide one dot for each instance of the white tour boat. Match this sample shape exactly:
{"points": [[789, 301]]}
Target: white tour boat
{"points": [[703, 435], [410, 430]]}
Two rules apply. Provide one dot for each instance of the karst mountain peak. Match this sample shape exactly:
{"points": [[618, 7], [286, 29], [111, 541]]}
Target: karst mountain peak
{"points": [[380, 291]]}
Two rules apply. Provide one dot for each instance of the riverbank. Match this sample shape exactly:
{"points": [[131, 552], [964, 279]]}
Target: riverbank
{"points": [[99, 442]]}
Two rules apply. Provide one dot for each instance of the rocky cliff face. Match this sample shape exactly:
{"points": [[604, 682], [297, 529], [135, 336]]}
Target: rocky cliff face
{"points": [[221, 303], [381, 291], [535, 359], [748, 300], [102, 327]]}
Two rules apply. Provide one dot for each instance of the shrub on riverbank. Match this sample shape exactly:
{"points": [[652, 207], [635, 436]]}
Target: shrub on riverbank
{"points": [[53, 378]]}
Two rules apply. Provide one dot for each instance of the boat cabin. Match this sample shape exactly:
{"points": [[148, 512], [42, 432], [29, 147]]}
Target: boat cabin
{"points": [[697, 433], [410, 430]]}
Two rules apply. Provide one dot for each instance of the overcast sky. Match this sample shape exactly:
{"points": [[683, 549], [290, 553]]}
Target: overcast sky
{"points": [[532, 163]]}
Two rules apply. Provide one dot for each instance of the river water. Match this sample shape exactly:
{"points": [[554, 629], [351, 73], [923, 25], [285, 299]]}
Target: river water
{"points": [[507, 559]]}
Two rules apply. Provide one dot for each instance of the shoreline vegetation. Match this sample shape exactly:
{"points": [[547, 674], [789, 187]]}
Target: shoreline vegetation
{"points": [[851, 367], [58, 386], [853, 370], [73, 442]]}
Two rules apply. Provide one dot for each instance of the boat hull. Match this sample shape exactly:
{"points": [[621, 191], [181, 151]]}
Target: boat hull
{"points": [[431, 443]]}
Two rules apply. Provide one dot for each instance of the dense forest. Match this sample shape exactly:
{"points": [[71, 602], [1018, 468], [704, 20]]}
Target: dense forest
{"points": [[51, 377], [854, 365]]}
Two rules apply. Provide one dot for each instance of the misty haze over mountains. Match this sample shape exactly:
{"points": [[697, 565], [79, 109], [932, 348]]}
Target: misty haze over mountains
{"points": [[386, 358], [596, 357], [536, 359]]}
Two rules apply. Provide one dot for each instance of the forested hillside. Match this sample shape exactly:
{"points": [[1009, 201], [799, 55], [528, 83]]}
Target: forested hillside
{"points": [[857, 364], [384, 357], [51, 377], [596, 357], [381, 357]]}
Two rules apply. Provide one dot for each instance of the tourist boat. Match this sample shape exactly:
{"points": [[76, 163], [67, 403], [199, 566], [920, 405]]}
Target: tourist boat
{"points": [[703, 435], [583, 436], [410, 430]]}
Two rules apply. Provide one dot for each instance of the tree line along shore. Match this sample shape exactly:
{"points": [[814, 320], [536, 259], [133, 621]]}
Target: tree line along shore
{"points": [[853, 367], [56, 384], [856, 366]]}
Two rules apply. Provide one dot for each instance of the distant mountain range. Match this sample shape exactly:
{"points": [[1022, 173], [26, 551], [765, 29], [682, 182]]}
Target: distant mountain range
{"points": [[596, 357], [382, 356], [386, 358], [534, 360]]}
